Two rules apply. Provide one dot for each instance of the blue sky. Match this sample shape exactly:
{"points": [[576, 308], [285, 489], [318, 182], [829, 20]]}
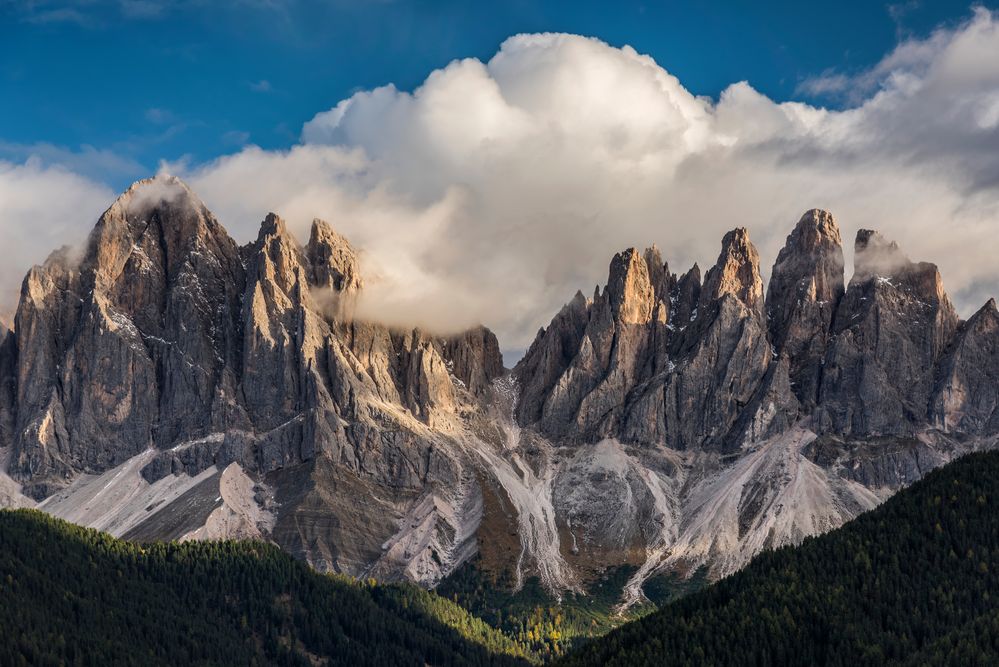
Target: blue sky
{"points": [[111, 88]]}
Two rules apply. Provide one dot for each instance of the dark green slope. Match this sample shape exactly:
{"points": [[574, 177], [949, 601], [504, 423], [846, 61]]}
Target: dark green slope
{"points": [[914, 582], [70, 595]]}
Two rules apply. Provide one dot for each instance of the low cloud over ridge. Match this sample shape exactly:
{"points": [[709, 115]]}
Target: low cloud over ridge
{"points": [[495, 190]]}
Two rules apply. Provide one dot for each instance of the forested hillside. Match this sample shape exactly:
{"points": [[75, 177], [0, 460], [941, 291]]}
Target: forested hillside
{"points": [[914, 582], [70, 595]]}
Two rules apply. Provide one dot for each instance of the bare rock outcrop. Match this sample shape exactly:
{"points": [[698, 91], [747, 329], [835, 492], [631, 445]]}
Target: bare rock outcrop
{"points": [[653, 359], [162, 333], [474, 358], [724, 353], [890, 330], [966, 399], [130, 345], [806, 285]]}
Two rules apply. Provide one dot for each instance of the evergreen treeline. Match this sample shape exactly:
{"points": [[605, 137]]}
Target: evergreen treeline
{"points": [[914, 582], [70, 595]]}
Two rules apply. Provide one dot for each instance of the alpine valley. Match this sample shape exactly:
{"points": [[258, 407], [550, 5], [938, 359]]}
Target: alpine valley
{"points": [[165, 383]]}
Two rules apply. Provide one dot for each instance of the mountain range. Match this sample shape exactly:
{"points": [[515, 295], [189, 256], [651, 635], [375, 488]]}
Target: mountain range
{"points": [[162, 382]]}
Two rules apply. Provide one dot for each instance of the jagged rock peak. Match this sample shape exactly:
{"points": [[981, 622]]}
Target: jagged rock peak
{"points": [[276, 256], [737, 271], [988, 311], [966, 399], [662, 280], [875, 255], [653, 256], [474, 358], [809, 268], [328, 264], [814, 249], [148, 195], [333, 260], [820, 220], [687, 294], [629, 289], [806, 285], [815, 232], [149, 192], [272, 225], [165, 204]]}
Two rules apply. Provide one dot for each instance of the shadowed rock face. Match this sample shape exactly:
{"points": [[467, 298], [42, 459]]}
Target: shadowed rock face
{"points": [[131, 345], [966, 399], [666, 422], [848, 393], [890, 330], [806, 285]]}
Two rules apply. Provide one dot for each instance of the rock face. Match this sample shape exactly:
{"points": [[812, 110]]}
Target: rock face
{"points": [[965, 399], [162, 382], [131, 346], [806, 286], [890, 330], [653, 359]]}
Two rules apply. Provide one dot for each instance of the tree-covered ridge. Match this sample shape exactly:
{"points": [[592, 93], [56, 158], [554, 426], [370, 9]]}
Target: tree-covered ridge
{"points": [[70, 595], [914, 582]]}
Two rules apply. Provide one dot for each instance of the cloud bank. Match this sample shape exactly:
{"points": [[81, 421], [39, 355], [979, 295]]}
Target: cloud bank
{"points": [[495, 190], [41, 208]]}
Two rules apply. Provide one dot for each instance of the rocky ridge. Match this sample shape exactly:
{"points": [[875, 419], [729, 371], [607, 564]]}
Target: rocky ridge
{"points": [[164, 382]]}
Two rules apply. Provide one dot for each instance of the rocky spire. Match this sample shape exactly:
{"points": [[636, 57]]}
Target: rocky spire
{"points": [[548, 357], [332, 260], [806, 285], [663, 282], [874, 255], [275, 303], [722, 355], [737, 272], [631, 294], [687, 295], [475, 358]]}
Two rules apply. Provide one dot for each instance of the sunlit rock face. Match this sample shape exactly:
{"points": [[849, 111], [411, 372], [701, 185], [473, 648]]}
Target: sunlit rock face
{"points": [[163, 382]]}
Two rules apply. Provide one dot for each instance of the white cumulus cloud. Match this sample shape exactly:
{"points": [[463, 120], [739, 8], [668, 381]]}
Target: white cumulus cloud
{"points": [[42, 208]]}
